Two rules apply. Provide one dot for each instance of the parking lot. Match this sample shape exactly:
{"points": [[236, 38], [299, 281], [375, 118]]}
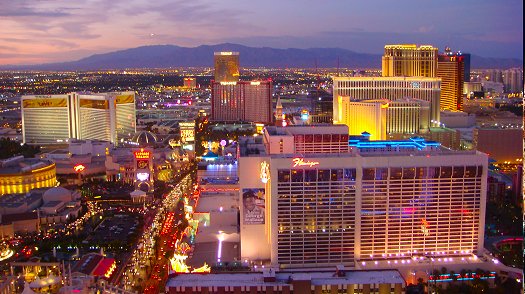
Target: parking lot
{"points": [[119, 228]]}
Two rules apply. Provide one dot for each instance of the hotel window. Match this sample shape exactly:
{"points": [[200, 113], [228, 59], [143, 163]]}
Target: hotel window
{"points": [[349, 174], [368, 173], [310, 175], [446, 172], [470, 172], [458, 172], [297, 175], [396, 173], [409, 172], [324, 175], [336, 175], [283, 175]]}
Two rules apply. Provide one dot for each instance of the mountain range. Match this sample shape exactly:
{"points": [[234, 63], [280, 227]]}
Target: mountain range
{"points": [[165, 56]]}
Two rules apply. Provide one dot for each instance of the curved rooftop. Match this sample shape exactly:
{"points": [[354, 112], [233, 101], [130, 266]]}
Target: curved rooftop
{"points": [[144, 138]]}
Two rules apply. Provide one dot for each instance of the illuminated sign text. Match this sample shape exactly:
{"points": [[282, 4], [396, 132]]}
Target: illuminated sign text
{"points": [[300, 162], [142, 154]]}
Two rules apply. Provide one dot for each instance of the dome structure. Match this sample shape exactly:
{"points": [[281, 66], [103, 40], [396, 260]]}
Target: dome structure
{"points": [[57, 194], [144, 138]]}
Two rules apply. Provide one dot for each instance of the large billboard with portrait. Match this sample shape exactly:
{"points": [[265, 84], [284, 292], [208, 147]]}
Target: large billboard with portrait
{"points": [[253, 206]]}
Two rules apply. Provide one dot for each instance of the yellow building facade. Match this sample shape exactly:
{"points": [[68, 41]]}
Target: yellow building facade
{"points": [[409, 60], [14, 180]]}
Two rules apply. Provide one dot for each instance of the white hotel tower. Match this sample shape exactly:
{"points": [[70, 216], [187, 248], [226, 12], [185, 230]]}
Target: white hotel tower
{"points": [[326, 199], [54, 119]]}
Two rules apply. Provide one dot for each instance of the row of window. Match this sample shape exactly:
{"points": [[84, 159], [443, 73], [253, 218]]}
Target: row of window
{"points": [[315, 175]]}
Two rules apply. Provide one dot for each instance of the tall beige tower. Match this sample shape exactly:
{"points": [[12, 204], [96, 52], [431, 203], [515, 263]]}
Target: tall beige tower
{"points": [[408, 60]]}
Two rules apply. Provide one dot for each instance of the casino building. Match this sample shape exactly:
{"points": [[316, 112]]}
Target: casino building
{"points": [[391, 88], [54, 119], [20, 175], [327, 198]]}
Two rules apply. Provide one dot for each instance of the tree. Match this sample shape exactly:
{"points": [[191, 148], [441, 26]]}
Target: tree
{"points": [[453, 276], [10, 148], [443, 270]]}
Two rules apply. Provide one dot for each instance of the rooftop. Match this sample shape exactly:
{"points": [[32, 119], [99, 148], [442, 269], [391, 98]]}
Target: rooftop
{"points": [[87, 264], [283, 278], [306, 129], [10, 218], [19, 164], [409, 79]]}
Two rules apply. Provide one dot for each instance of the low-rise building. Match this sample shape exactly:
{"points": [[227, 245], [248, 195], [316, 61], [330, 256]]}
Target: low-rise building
{"points": [[299, 282], [20, 175]]}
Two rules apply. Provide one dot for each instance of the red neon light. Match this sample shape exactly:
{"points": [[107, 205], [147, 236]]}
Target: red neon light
{"points": [[142, 154], [300, 162], [79, 168]]}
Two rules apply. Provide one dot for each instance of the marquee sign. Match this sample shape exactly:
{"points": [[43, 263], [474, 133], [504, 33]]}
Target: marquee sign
{"points": [[142, 176], [79, 168], [301, 162], [142, 164], [142, 154]]}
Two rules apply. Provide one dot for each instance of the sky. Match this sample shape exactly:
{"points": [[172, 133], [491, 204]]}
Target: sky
{"points": [[44, 31]]}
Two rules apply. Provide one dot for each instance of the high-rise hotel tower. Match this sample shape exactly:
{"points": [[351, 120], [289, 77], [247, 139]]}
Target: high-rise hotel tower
{"points": [[233, 100], [328, 199], [409, 60], [451, 70], [391, 88], [53, 119], [226, 66]]}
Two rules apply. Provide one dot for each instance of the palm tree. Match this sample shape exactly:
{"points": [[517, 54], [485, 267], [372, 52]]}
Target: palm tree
{"points": [[463, 273], [443, 270], [453, 276]]}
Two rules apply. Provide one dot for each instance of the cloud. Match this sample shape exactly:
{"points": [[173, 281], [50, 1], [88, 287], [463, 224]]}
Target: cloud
{"points": [[21, 8], [425, 29], [56, 28]]}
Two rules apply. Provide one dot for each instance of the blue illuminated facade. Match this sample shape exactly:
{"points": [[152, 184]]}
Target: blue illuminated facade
{"points": [[416, 143]]}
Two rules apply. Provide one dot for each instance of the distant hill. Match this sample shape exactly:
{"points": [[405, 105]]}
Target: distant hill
{"points": [[164, 56]]}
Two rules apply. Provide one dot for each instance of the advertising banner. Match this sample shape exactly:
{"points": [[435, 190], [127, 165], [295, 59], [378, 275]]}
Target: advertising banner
{"points": [[253, 203]]}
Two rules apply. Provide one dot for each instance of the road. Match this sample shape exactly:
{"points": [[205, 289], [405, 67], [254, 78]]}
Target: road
{"points": [[144, 263]]}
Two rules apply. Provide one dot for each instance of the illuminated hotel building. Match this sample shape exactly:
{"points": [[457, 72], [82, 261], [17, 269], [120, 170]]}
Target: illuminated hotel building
{"points": [[54, 119], [242, 101], [226, 66], [20, 175], [451, 70], [408, 60], [359, 201], [190, 83], [380, 118], [391, 88], [46, 119]]}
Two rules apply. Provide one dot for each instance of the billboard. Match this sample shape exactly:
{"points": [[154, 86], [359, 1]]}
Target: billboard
{"points": [[253, 206], [41, 103], [123, 99]]}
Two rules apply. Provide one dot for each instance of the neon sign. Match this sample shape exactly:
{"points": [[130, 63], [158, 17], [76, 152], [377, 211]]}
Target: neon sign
{"points": [[300, 162], [142, 176], [265, 172], [79, 168], [142, 154]]}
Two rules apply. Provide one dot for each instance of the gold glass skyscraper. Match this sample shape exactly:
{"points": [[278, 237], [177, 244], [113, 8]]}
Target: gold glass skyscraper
{"points": [[54, 119], [451, 71], [226, 66], [408, 60]]}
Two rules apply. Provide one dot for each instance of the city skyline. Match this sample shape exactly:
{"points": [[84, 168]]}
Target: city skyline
{"points": [[45, 31]]}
